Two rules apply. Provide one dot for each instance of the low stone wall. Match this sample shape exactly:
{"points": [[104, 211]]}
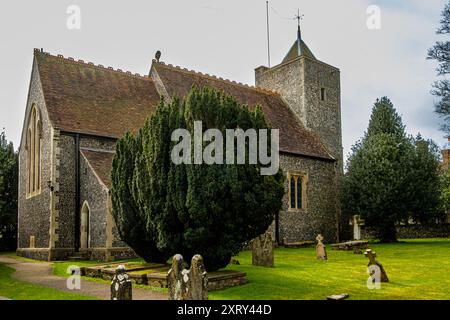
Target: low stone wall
{"points": [[219, 281], [103, 254], [216, 280], [423, 231], [45, 254], [58, 254], [36, 254], [415, 231]]}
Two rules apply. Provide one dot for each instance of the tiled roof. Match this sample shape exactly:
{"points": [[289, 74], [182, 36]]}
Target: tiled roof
{"points": [[101, 163], [85, 98], [294, 53], [294, 138]]}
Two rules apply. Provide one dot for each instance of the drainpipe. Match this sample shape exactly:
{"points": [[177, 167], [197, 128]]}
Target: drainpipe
{"points": [[77, 193], [277, 228]]}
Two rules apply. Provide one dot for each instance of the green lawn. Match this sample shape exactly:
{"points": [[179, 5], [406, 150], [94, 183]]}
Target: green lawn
{"points": [[417, 269], [18, 290]]}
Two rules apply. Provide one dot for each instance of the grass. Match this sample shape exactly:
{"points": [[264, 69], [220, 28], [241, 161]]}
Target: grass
{"points": [[14, 256], [18, 290], [417, 269]]}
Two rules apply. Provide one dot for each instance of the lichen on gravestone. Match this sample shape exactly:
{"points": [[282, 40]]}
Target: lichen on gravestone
{"points": [[262, 250], [187, 284]]}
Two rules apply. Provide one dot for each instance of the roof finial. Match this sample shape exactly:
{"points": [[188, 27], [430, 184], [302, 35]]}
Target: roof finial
{"points": [[299, 33], [299, 18], [157, 55]]}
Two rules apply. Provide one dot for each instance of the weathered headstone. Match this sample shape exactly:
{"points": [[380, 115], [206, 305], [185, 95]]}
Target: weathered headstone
{"points": [[121, 287], [321, 252], [186, 284], [262, 251], [378, 271], [198, 280], [175, 283]]}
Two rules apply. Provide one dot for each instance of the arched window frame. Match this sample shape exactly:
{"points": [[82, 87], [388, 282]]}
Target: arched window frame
{"points": [[33, 147], [297, 199]]}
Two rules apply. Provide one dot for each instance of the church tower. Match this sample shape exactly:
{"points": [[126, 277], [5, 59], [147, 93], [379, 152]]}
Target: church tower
{"points": [[312, 90]]}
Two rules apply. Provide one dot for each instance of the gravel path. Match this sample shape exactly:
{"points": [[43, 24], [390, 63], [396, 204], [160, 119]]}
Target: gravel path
{"points": [[42, 274]]}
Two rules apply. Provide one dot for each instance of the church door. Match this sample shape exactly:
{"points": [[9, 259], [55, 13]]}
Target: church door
{"points": [[84, 226]]}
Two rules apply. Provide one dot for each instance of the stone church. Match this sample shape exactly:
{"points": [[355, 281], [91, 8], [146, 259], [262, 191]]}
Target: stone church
{"points": [[76, 111]]}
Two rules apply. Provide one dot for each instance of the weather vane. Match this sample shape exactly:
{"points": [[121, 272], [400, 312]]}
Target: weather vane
{"points": [[299, 17]]}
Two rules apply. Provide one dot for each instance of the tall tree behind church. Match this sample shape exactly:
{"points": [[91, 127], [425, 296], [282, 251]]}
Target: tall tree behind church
{"points": [[8, 194], [391, 177], [441, 53]]}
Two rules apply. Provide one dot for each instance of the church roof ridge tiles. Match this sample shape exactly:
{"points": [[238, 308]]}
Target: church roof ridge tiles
{"points": [[91, 64], [217, 78]]}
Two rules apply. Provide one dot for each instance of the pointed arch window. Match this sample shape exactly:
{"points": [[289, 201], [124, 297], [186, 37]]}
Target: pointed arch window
{"points": [[298, 183], [33, 147]]}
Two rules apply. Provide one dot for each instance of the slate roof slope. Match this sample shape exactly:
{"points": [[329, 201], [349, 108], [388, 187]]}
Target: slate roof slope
{"points": [[294, 137], [294, 52], [101, 163], [85, 98]]}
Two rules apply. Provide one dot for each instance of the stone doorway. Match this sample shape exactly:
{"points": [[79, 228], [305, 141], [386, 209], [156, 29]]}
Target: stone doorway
{"points": [[84, 226]]}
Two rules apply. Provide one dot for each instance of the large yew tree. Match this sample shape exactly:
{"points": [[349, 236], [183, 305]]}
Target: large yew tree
{"points": [[391, 177], [162, 208]]}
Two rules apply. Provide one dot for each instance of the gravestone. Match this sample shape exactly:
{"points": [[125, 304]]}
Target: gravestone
{"points": [[121, 287], [186, 284], [378, 267], [321, 252], [262, 251], [175, 283], [198, 280]]}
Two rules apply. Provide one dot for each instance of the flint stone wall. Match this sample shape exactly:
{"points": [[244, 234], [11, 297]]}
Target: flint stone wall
{"points": [[415, 231], [322, 201], [34, 213]]}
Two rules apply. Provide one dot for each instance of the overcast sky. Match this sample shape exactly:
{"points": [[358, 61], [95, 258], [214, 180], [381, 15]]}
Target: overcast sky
{"points": [[228, 39]]}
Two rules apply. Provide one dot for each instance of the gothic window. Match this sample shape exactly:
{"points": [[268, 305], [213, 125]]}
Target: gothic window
{"points": [[297, 191], [33, 147]]}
